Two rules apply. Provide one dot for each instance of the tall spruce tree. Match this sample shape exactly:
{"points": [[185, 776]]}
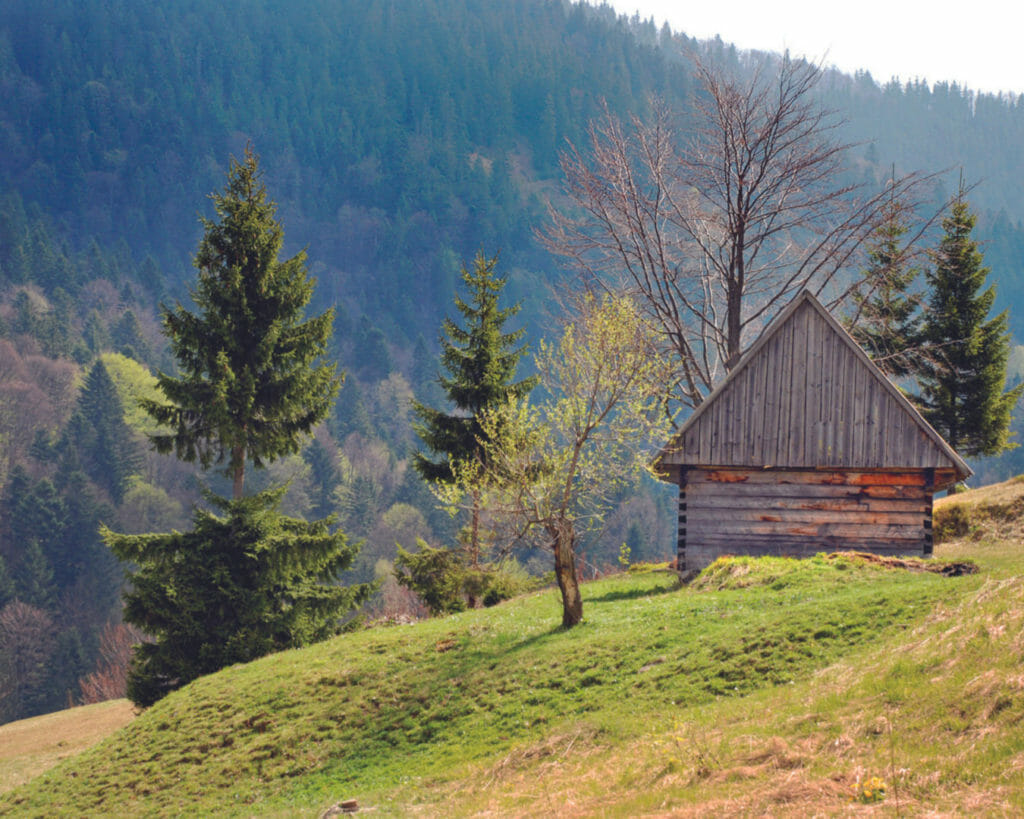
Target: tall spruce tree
{"points": [[962, 382], [480, 361], [248, 581], [249, 388]]}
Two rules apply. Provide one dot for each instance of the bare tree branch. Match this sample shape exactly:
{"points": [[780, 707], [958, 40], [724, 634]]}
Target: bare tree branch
{"points": [[714, 232]]}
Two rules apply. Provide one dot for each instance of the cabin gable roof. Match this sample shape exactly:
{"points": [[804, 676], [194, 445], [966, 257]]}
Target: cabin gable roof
{"points": [[806, 396]]}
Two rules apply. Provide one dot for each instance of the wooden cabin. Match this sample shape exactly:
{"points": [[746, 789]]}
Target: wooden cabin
{"points": [[806, 447]]}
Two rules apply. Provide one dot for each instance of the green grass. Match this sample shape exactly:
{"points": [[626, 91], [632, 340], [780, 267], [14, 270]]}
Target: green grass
{"points": [[935, 710], [396, 716]]}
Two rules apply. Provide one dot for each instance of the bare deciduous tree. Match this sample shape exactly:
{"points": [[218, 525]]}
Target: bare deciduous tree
{"points": [[109, 680], [716, 230], [27, 642]]}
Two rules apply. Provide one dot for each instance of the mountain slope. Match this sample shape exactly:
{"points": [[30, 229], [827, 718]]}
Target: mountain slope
{"points": [[399, 136]]}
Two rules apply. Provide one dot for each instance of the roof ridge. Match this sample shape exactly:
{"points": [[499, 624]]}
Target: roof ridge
{"points": [[751, 353]]}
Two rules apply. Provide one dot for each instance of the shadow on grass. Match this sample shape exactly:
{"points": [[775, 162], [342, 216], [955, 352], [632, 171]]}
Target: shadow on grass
{"points": [[633, 594]]}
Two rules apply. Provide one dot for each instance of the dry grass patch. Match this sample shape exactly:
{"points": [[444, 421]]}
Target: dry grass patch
{"points": [[949, 568], [29, 747], [991, 511]]}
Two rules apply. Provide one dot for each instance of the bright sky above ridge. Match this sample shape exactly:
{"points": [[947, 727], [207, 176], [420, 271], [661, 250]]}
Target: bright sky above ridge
{"points": [[977, 45]]}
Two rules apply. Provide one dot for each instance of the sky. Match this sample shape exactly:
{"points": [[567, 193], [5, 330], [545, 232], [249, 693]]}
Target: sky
{"points": [[975, 44]]}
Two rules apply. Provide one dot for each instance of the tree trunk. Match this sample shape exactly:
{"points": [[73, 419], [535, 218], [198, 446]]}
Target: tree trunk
{"points": [[474, 549], [474, 532], [238, 474], [734, 325], [565, 572]]}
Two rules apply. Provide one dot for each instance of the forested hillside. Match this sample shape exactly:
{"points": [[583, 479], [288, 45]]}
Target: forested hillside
{"points": [[399, 137]]}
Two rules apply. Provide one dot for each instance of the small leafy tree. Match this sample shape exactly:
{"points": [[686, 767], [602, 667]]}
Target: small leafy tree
{"points": [[962, 383], [480, 360], [238, 586], [550, 470], [250, 387]]}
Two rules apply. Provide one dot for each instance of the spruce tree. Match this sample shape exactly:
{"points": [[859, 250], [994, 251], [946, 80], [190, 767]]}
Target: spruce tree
{"points": [[248, 581], [887, 316], [249, 385], [105, 444], [962, 383], [325, 477], [480, 360], [128, 339], [33, 580], [6, 584], [241, 584]]}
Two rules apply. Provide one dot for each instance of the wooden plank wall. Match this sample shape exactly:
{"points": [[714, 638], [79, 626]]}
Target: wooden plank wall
{"points": [[806, 399], [802, 512]]}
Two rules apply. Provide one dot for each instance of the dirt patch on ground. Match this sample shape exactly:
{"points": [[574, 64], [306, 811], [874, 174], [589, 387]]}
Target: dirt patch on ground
{"points": [[949, 568]]}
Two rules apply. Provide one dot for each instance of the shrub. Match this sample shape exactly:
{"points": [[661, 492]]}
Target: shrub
{"points": [[437, 576], [950, 522], [445, 584], [507, 579]]}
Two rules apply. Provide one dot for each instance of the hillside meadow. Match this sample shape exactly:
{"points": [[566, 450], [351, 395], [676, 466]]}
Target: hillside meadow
{"points": [[766, 685]]}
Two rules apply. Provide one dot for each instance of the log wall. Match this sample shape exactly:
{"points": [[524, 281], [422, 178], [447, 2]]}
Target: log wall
{"points": [[799, 513]]}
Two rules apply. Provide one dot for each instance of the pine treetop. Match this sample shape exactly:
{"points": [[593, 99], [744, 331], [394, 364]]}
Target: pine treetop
{"points": [[249, 386], [887, 312], [480, 360]]}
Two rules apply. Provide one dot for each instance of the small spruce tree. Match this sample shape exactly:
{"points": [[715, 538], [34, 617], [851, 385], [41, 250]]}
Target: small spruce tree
{"points": [[97, 430], [6, 584], [888, 310], [480, 361], [962, 382]]}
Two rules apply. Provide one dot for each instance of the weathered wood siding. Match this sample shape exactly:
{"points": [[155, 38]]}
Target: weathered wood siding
{"points": [[807, 397], [802, 512]]}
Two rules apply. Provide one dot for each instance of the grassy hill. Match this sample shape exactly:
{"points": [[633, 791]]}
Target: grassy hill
{"points": [[766, 685]]}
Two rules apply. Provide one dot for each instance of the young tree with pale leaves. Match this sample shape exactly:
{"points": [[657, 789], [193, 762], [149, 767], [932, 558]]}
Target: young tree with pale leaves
{"points": [[551, 469]]}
